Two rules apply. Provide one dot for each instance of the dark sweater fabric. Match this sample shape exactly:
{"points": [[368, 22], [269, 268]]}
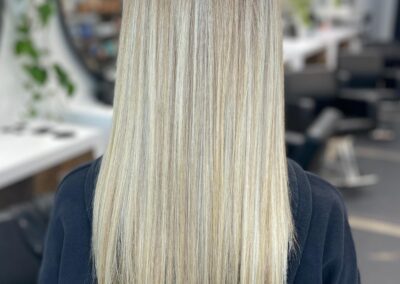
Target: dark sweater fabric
{"points": [[325, 251]]}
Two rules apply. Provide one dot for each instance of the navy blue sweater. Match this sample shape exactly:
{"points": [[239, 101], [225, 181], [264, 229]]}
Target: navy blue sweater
{"points": [[325, 251]]}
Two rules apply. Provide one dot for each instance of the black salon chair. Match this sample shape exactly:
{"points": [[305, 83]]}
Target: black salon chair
{"points": [[373, 74], [307, 147], [359, 116], [390, 51], [320, 85], [360, 69], [368, 69], [22, 233]]}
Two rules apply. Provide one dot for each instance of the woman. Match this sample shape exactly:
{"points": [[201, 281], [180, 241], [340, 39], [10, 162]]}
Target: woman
{"points": [[194, 186]]}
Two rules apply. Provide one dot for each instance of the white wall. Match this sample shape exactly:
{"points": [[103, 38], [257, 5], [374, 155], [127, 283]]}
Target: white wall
{"points": [[12, 95], [384, 14]]}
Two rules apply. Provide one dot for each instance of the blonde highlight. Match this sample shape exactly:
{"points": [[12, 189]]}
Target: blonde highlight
{"points": [[193, 187]]}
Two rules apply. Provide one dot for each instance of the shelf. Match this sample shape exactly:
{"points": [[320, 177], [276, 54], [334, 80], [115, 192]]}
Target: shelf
{"points": [[101, 7]]}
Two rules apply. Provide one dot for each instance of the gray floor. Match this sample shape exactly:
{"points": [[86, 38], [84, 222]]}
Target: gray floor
{"points": [[377, 237]]}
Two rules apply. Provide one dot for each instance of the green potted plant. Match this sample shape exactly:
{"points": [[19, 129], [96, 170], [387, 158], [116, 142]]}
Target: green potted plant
{"points": [[45, 79]]}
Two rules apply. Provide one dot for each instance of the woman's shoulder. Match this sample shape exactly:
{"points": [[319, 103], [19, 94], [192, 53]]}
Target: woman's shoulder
{"points": [[315, 203], [310, 190], [77, 188], [68, 243], [325, 251]]}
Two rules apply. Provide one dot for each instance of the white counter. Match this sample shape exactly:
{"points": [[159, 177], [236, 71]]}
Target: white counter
{"points": [[296, 51], [25, 154]]}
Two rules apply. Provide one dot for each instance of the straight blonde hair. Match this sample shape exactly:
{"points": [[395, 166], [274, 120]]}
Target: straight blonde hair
{"points": [[193, 187]]}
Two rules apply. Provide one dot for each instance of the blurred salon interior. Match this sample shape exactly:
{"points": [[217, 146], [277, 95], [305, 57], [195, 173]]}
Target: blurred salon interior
{"points": [[342, 92]]}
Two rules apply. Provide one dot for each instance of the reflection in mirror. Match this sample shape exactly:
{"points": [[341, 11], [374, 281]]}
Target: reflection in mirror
{"points": [[92, 29]]}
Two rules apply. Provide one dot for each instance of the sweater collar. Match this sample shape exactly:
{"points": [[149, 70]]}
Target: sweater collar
{"points": [[301, 202], [90, 185]]}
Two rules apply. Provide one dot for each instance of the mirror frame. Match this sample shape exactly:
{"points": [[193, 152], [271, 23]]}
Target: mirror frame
{"points": [[97, 75], [70, 42], [104, 88]]}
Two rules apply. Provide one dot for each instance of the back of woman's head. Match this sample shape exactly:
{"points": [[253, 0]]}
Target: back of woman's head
{"points": [[193, 185]]}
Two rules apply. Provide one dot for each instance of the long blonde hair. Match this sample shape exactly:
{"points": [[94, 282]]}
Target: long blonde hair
{"points": [[193, 187]]}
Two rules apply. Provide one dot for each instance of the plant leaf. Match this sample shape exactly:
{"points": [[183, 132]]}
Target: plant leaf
{"points": [[23, 27], [64, 80], [70, 89], [26, 46], [45, 12], [37, 73]]}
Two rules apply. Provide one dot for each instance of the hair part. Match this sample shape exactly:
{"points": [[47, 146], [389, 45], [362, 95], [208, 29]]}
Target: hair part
{"points": [[193, 187]]}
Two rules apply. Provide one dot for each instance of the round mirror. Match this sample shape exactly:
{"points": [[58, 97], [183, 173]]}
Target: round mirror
{"points": [[92, 29]]}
